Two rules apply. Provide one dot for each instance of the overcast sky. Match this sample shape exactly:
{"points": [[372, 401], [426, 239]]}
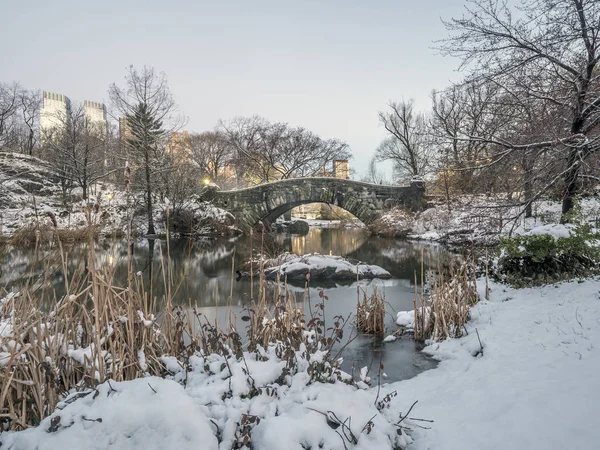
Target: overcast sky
{"points": [[329, 66]]}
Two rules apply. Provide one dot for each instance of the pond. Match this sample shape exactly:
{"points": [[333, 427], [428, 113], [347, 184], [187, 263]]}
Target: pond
{"points": [[203, 273]]}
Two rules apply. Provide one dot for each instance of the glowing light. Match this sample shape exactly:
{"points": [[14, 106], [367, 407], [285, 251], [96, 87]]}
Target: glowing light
{"points": [[206, 181], [109, 196], [111, 260]]}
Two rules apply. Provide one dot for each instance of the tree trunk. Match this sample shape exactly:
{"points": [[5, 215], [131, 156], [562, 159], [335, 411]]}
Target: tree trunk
{"points": [[527, 185], [149, 195], [151, 243], [571, 184]]}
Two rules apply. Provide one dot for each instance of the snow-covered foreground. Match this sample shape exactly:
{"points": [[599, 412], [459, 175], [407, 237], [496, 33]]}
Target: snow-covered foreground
{"points": [[535, 386]]}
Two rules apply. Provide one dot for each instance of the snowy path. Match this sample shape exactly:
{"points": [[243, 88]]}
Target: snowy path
{"points": [[537, 386]]}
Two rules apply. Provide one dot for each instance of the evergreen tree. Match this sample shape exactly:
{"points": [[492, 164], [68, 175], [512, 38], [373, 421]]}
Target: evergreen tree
{"points": [[144, 143]]}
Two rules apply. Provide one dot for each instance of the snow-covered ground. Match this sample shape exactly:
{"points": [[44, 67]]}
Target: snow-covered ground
{"points": [[474, 219], [30, 194], [534, 385]]}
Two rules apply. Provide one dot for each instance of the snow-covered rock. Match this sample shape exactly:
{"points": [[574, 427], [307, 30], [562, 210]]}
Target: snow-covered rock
{"points": [[295, 267]]}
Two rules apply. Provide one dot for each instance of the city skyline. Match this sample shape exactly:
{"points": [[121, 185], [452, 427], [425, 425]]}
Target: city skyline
{"points": [[56, 111], [326, 66]]}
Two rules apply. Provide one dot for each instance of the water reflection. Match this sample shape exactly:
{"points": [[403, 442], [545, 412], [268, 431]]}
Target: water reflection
{"points": [[329, 241], [203, 274]]}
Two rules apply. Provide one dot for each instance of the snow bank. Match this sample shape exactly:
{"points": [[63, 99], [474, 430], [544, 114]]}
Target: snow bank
{"points": [[526, 376], [535, 386], [147, 413], [155, 413]]}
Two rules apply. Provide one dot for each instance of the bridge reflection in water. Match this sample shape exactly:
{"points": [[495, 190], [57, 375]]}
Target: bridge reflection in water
{"points": [[329, 241]]}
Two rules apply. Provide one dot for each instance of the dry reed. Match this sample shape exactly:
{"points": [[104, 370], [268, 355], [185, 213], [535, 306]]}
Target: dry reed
{"points": [[33, 235], [443, 312], [370, 313], [101, 331]]}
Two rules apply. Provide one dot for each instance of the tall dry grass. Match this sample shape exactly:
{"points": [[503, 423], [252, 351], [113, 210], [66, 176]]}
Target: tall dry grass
{"points": [[370, 312], [45, 234], [101, 330], [97, 331], [443, 311]]}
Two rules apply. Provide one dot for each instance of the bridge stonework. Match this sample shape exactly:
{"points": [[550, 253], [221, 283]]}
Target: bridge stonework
{"points": [[266, 202]]}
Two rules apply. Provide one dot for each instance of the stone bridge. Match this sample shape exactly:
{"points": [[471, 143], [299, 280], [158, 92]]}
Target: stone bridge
{"points": [[266, 202]]}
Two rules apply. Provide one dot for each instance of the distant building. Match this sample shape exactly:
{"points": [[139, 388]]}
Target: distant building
{"points": [[54, 114], [124, 129], [179, 144], [95, 113], [341, 169]]}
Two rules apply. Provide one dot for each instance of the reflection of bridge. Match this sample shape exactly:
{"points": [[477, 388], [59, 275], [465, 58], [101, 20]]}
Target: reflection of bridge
{"points": [[266, 202]]}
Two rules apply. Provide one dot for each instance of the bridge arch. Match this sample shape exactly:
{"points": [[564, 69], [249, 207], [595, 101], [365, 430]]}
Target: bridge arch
{"points": [[266, 202]]}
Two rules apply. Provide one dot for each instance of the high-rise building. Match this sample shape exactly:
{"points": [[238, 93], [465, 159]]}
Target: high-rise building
{"points": [[179, 144], [54, 114], [95, 113]]}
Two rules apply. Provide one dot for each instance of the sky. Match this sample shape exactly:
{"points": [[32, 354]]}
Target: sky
{"points": [[328, 66]]}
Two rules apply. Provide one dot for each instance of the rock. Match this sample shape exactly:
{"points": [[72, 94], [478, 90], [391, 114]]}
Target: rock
{"points": [[299, 227], [296, 267]]}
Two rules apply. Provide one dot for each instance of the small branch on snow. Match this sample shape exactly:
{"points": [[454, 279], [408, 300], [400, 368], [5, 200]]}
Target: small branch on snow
{"points": [[577, 317], [479, 339]]}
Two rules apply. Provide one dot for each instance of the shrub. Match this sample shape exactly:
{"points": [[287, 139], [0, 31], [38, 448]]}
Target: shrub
{"points": [[546, 258]]}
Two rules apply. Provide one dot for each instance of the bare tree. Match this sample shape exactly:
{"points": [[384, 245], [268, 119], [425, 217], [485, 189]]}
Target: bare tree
{"points": [[470, 109], [9, 107], [211, 153], [148, 105], [374, 175], [548, 50], [304, 154], [266, 151], [244, 136], [407, 145], [30, 104], [76, 148]]}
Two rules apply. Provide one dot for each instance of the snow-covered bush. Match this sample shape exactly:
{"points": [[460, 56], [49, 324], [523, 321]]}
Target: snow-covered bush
{"points": [[196, 218], [549, 253]]}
